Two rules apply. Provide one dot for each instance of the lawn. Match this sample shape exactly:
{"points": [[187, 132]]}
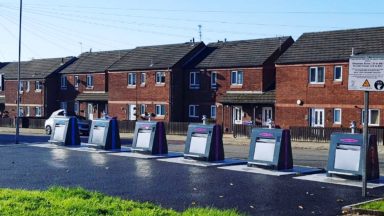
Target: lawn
{"points": [[375, 205], [77, 201]]}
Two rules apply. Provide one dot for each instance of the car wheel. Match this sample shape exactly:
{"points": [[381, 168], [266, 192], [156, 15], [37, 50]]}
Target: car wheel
{"points": [[48, 130]]}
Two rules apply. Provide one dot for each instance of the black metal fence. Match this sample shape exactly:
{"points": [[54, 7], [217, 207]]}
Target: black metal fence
{"points": [[175, 128], [7, 122]]}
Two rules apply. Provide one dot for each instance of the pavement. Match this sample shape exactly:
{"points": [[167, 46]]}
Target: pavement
{"points": [[170, 185]]}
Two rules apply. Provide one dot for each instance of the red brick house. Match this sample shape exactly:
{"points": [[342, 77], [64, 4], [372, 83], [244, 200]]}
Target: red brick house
{"points": [[312, 80], [38, 86], [2, 92], [150, 79], [84, 84], [234, 83]]}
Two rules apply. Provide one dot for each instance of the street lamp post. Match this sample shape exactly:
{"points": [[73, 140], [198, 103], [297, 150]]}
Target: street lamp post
{"points": [[18, 79]]}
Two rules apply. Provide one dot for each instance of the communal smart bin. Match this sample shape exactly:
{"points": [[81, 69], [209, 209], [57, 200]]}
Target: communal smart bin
{"points": [[204, 142], [65, 132], [150, 138], [270, 148], [105, 134], [346, 156]]}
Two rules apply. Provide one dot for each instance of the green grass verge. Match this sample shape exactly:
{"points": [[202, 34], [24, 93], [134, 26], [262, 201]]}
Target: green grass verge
{"points": [[77, 201], [376, 205]]}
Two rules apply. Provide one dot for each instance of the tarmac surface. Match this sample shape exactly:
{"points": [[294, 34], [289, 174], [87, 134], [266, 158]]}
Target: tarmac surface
{"points": [[171, 185]]}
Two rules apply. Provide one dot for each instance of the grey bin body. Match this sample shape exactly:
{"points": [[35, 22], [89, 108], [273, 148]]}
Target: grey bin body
{"points": [[270, 148], [150, 138], [204, 142], [65, 132], [105, 134], [346, 156]]}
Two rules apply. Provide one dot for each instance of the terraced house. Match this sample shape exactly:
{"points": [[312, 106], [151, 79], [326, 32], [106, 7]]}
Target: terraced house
{"points": [[38, 87], [312, 80], [234, 83], [2, 93], [84, 84], [150, 79]]}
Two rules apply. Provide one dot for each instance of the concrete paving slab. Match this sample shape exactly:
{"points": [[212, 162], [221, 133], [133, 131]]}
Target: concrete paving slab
{"points": [[322, 177], [297, 170], [146, 156], [182, 160]]}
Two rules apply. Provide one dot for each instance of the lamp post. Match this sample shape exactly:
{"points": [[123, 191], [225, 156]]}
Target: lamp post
{"points": [[18, 79]]}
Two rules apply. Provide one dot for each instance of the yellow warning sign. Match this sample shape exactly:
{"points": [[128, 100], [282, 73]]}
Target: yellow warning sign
{"points": [[366, 83]]}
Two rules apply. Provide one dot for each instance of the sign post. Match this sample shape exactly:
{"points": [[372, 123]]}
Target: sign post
{"points": [[366, 73]]}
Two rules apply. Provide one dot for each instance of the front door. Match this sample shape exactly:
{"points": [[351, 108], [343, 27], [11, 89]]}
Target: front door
{"points": [[266, 114], [237, 115], [132, 112], [90, 111], [317, 118]]}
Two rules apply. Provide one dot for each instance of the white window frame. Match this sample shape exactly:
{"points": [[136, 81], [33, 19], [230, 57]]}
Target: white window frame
{"points": [[21, 87], [27, 86], [370, 117], [89, 81], [194, 80], [143, 78], [335, 121], [341, 73], [193, 111], [63, 82], [38, 111], [76, 81], [28, 111], [38, 86], [159, 77], [160, 110], [142, 108], [317, 113], [131, 79], [213, 80], [21, 112], [316, 70], [2, 82], [237, 79], [213, 111]]}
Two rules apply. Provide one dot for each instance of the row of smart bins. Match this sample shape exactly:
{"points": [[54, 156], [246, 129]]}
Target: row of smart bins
{"points": [[270, 148]]}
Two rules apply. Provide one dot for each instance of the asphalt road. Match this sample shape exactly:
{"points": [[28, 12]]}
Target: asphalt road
{"points": [[170, 185]]}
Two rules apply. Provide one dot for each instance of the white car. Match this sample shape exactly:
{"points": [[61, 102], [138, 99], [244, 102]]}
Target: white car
{"points": [[83, 124]]}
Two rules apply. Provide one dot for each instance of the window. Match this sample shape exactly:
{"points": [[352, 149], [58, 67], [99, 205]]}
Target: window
{"points": [[142, 109], [337, 116], [160, 110], [21, 89], [193, 111], [213, 80], [37, 111], [89, 81], [76, 107], [237, 78], [160, 77], [63, 82], [76, 80], [316, 75], [338, 73], [143, 78], [194, 80], [27, 86], [27, 111], [38, 85], [1, 82], [21, 112], [131, 79], [213, 111], [373, 117]]}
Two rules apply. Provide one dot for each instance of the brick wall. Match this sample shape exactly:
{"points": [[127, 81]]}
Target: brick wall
{"points": [[292, 85]]}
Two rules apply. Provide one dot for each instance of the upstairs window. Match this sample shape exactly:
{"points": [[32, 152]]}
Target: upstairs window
{"points": [[21, 87], [38, 85], [160, 77], [194, 80], [213, 80], [316, 75], [143, 78], [89, 81], [1, 82], [193, 111], [27, 86], [237, 78], [76, 80], [338, 73], [131, 79], [63, 82]]}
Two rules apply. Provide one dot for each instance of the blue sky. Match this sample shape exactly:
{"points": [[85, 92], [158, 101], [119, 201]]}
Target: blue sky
{"points": [[68, 27]]}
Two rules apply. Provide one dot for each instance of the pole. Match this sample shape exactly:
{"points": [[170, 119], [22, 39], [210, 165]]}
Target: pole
{"points": [[365, 144], [18, 79]]}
